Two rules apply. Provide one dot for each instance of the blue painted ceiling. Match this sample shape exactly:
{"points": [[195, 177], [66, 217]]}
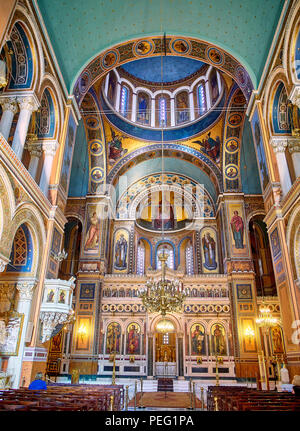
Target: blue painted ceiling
{"points": [[80, 30], [162, 69]]}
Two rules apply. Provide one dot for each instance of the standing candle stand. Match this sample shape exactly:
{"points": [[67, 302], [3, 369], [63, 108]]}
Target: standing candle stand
{"points": [[219, 360], [202, 399], [194, 396], [140, 401], [135, 390], [126, 398]]}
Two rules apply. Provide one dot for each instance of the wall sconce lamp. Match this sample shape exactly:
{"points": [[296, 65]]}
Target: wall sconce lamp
{"points": [[82, 331]]}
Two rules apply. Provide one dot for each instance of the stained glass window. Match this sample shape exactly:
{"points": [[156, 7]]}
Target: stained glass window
{"points": [[169, 252], [124, 101], [162, 111], [201, 99]]}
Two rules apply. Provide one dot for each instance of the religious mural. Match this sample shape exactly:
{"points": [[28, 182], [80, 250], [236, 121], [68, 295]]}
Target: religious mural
{"points": [[68, 153], [182, 107], [113, 338], [92, 229], [143, 110], [247, 331], [197, 340], [210, 146], [115, 147], [120, 251], [260, 151], [277, 341], [209, 250], [218, 340], [237, 229], [133, 339], [83, 333]]}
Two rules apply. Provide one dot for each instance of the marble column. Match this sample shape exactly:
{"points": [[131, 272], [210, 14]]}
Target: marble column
{"points": [[279, 145], [150, 356], [294, 149], [27, 105], [172, 109], [180, 357], [192, 107], [49, 149], [35, 150], [9, 108], [14, 366], [133, 111]]}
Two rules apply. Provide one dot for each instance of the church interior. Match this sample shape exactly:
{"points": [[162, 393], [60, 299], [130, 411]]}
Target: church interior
{"points": [[150, 202]]}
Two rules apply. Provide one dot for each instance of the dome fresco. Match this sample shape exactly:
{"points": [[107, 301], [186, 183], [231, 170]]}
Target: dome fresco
{"points": [[169, 68]]}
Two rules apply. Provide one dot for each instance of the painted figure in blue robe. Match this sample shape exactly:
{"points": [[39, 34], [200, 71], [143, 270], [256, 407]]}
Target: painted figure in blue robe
{"points": [[209, 249], [142, 112], [210, 146], [121, 253]]}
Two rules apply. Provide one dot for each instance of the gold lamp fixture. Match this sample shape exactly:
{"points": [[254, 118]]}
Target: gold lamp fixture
{"points": [[265, 318], [163, 296]]}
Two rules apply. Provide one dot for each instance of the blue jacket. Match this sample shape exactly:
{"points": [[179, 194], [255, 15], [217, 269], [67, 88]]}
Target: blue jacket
{"points": [[38, 384]]}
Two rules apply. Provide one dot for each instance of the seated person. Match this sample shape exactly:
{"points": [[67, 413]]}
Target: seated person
{"points": [[38, 383], [296, 385]]}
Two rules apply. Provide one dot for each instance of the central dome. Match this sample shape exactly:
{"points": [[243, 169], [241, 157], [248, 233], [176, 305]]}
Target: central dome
{"points": [[164, 69], [182, 95]]}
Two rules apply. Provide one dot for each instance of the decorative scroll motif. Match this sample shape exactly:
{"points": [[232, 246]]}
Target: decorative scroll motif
{"points": [[96, 142], [20, 58], [233, 131], [142, 48], [50, 320]]}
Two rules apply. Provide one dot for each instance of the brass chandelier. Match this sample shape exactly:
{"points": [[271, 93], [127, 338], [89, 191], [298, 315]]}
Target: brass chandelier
{"points": [[265, 318], [163, 296]]}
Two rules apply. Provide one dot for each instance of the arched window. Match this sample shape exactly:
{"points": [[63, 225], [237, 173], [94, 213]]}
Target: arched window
{"points": [[21, 256], [124, 101], [168, 249], [189, 259], [280, 111], [140, 265], [162, 111], [201, 99]]}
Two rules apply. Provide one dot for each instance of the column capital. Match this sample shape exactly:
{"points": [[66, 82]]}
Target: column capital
{"points": [[294, 96], [50, 147], [9, 103], [25, 289], [294, 144], [30, 103], [279, 143], [34, 148]]}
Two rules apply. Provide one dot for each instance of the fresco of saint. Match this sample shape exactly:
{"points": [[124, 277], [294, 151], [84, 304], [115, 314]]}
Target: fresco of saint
{"points": [[237, 227], [209, 248], [121, 253]]}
